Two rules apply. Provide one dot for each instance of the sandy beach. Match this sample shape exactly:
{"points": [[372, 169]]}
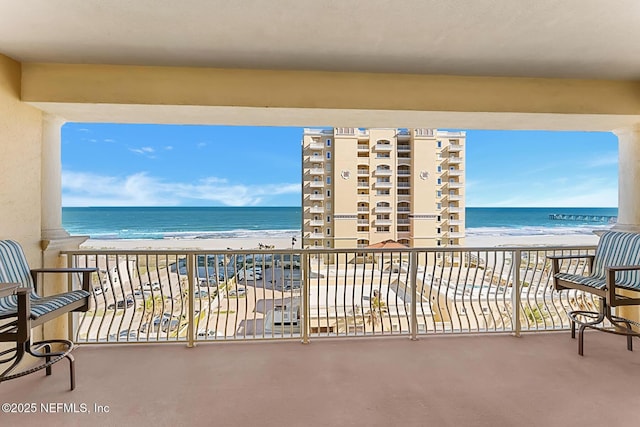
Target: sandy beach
{"points": [[285, 243]]}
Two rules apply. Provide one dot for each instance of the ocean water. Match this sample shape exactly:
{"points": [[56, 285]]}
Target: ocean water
{"points": [[281, 222]]}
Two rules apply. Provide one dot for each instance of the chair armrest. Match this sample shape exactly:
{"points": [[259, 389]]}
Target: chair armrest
{"points": [[556, 258], [570, 256], [623, 268], [7, 289], [86, 274]]}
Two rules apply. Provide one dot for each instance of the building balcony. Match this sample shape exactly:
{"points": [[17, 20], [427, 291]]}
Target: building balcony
{"points": [[383, 221], [363, 185], [383, 172], [363, 222], [404, 173], [316, 209], [383, 209], [363, 172], [472, 316], [383, 184], [316, 171], [404, 185], [454, 184], [316, 184], [403, 209], [454, 221], [456, 235], [314, 159], [363, 209], [404, 160], [314, 236], [477, 366], [315, 223], [454, 172], [453, 197], [454, 148], [383, 147], [455, 160], [316, 197], [403, 221], [455, 209], [363, 160], [403, 148], [316, 146], [363, 147]]}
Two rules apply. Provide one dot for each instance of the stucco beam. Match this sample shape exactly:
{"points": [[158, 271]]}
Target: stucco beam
{"points": [[139, 85]]}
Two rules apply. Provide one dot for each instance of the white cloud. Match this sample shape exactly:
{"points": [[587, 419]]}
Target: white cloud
{"points": [[145, 151], [140, 189], [202, 144], [579, 192], [168, 147]]}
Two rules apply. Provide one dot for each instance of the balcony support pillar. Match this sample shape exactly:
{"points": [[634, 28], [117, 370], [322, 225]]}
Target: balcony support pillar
{"points": [[628, 178], [628, 192], [51, 184], [54, 237]]}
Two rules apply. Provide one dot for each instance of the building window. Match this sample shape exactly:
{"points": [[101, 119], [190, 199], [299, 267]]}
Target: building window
{"points": [[438, 230], [439, 181], [438, 243], [439, 144], [328, 193], [382, 193], [328, 143], [328, 231], [328, 154], [329, 180], [328, 244], [438, 218], [382, 155], [438, 193], [438, 205], [328, 218]]}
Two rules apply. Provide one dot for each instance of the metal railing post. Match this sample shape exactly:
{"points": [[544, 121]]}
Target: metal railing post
{"points": [[191, 270], [413, 280], [305, 297], [516, 326], [72, 316]]}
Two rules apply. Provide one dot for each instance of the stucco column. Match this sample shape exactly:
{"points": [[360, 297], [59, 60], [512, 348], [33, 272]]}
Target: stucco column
{"points": [[54, 237], [628, 179], [629, 194], [51, 181]]}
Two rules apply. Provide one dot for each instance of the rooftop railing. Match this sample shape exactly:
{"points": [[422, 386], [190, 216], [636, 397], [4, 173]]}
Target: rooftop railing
{"points": [[191, 296]]}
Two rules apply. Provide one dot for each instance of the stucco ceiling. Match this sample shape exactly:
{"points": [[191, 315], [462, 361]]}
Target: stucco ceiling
{"points": [[536, 38]]}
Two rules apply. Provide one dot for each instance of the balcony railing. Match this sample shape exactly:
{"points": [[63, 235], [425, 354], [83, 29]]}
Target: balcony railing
{"points": [[316, 197], [189, 296], [316, 171], [316, 184]]}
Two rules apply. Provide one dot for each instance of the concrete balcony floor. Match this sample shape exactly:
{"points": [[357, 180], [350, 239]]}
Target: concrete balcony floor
{"points": [[537, 380]]}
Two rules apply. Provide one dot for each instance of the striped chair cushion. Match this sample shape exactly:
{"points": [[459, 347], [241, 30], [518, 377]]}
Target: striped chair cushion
{"points": [[40, 306], [615, 249], [15, 269]]}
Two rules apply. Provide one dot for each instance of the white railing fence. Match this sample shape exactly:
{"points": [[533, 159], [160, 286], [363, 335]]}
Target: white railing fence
{"points": [[190, 296]]}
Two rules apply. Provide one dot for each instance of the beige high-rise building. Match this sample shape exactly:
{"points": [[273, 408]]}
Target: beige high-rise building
{"points": [[364, 186]]}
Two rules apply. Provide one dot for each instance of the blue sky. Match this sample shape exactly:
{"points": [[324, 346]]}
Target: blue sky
{"points": [[171, 165]]}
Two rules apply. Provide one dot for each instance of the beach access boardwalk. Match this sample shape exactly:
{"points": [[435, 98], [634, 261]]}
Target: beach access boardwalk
{"points": [[606, 219]]}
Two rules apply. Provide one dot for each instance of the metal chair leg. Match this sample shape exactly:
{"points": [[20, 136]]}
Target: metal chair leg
{"points": [[47, 349], [72, 370], [20, 351]]}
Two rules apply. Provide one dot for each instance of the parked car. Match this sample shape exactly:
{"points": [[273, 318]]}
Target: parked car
{"points": [[239, 291], [201, 293], [139, 293], [128, 302], [155, 286], [102, 288], [250, 274]]}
